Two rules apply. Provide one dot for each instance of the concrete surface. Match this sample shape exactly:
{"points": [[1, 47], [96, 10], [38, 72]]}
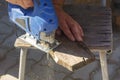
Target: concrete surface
{"points": [[37, 67]]}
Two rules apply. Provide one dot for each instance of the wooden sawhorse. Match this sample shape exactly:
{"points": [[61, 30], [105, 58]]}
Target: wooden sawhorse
{"points": [[97, 26]]}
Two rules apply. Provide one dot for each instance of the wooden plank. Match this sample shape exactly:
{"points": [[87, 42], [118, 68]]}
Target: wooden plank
{"points": [[103, 61], [68, 54]]}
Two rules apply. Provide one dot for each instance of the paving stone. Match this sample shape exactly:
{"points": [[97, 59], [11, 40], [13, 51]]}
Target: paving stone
{"points": [[44, 60], [3, 51], [2, 38], [29, 64], [116, 40], [112, 70], [12, 68], [14, 71], [14, 53], [3, 8], [115, 55], [9, 42], [60, 68], [84, 73], [5, 25], [5, 30], [32, 76], [117, 77], [35, 54], [59, 76], [6, 64], [43, 72], [97, 75], [57, 67], [68, 79]]}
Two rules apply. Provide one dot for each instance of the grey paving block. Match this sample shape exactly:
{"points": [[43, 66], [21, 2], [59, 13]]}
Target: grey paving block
{"points": [[85, 72], [3, 8], [56, 67], [117, 77], [14, 53], [43, 73], [97, 75], [3, 51], [29, 64], [60, 68], [68, 79], [14, 71], [35, 54], [115, 55], [5, 25], [7, 63], [112, 70], [44, 60], [9, 42], [59, 76], [2, 38]]}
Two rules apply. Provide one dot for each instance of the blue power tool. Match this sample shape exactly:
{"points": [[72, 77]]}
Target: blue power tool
{"points": [[39, 22]]}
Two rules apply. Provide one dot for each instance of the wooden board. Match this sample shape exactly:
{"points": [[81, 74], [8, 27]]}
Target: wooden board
{"points": [[71, 58], [96, 23]]}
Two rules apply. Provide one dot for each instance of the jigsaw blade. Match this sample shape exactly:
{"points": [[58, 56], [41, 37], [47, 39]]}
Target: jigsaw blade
{"points": [[42, 45]]}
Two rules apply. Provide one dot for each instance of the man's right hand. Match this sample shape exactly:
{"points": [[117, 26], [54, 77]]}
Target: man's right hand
{"points": [[23, 3]]}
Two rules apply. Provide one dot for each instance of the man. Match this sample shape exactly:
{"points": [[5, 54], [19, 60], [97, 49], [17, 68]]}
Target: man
{"points": [[66, 23]]}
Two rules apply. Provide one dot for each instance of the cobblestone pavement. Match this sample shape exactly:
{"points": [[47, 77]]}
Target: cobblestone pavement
{"points": [[37, 65]]}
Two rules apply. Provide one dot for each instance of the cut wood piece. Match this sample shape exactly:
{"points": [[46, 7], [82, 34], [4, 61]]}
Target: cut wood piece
{"points": [[71, 62], [68, 54]]}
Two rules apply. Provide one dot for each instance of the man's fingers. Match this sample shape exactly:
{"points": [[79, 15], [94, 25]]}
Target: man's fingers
{"points": [[81, 30], [75, 29], [27, 3], [64, 27], [77, 33]]}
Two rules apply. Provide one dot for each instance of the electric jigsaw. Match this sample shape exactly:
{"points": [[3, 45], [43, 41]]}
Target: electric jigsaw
{"points": [[39, 22]]}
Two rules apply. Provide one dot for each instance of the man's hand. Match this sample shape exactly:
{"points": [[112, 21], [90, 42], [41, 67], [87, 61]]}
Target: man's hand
{"points": [[69, 26], [23, 3]]}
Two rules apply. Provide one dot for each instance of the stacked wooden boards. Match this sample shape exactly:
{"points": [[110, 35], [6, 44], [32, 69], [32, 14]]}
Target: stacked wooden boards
{"points": [[96, 23]]}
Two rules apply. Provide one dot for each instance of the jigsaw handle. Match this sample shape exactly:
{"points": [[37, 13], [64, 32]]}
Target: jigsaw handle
{"points": [[40, 18], [42, 8]]}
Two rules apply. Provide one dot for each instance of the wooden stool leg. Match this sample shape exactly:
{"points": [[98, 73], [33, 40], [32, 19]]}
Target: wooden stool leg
{"points": [[23, 54], [103, 62]]}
